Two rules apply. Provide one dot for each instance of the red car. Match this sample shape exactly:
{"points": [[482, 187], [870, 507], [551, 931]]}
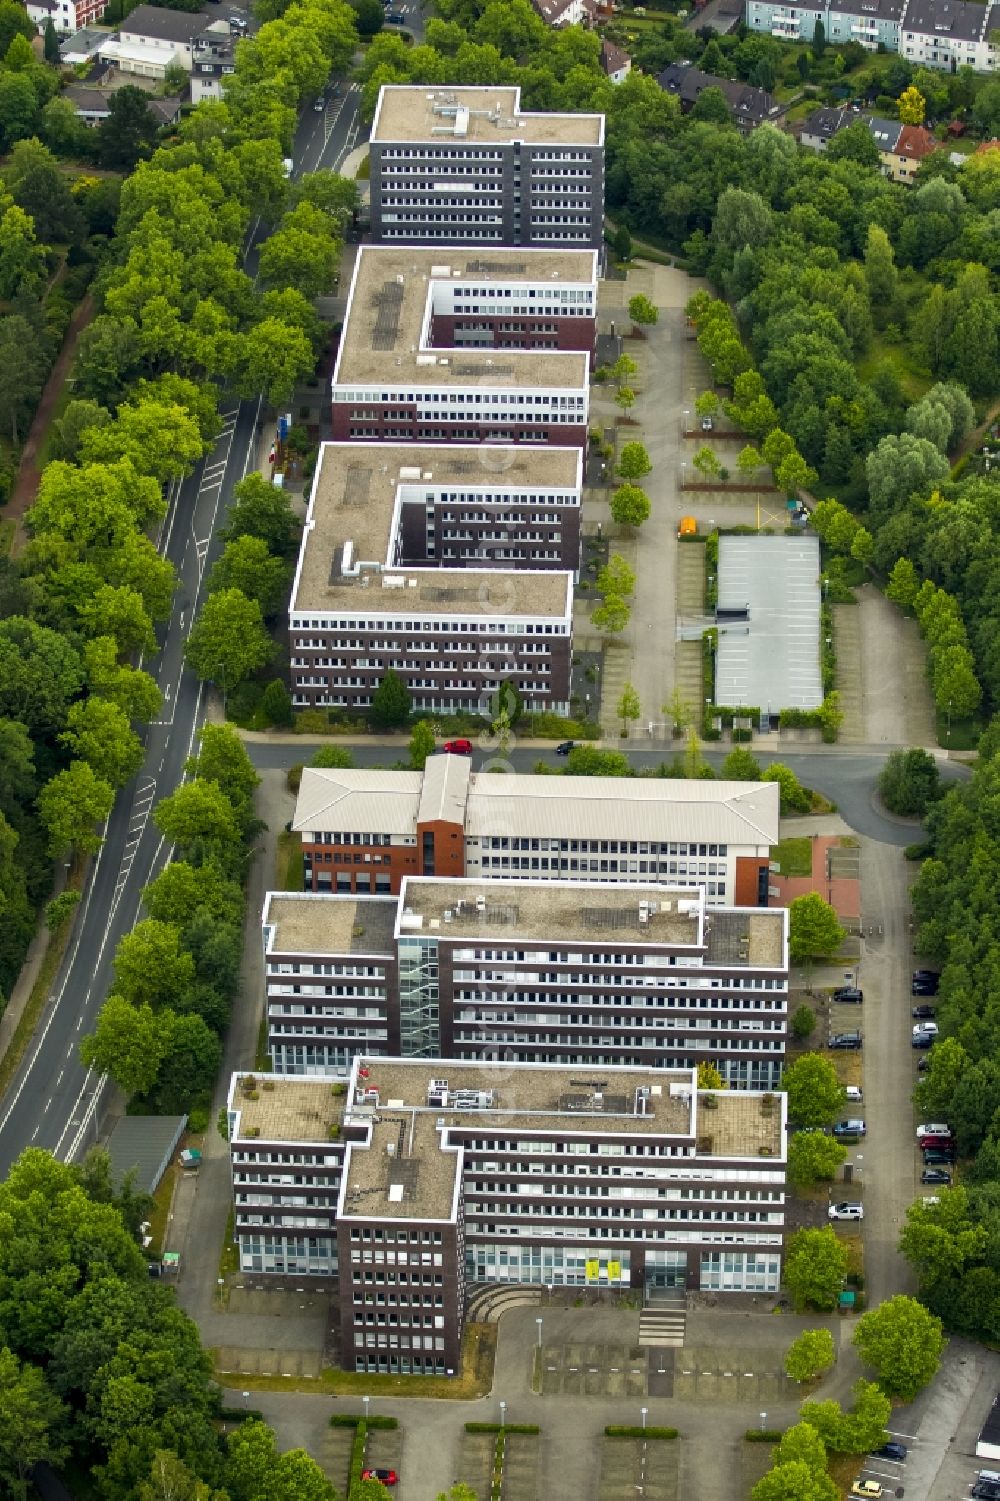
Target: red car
{"points": [[458, 747], [385, 1477]]}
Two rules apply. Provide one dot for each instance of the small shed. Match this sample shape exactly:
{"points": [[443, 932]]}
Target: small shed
{"points": [[146, 1144]]}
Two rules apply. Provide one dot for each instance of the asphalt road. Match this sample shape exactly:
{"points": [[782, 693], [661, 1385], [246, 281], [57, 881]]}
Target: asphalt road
{"points": [[54, 1102], [845, 775]]}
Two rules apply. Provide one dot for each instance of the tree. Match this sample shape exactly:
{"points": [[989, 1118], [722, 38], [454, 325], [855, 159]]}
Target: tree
{"points": [[458, 1493], [41, 190], [616, 577], [228, 641], [803, 1022], [272, 357], [628, 707], [621, 242], [422, 743], [198, 811], [40, 673], [633, 462], [151, 965], [127, 1043], [119, 612], [809, 1355], [707, 463], [33, 1423], [813, 929], [856, 1432], [641, 310], [813, 1158], [247, 564], [294, 257], [709, 1077], [741, 765], [630, 505], [391, 702], [741, 219], [612, 616], [276, 705], [161, 439], [814, 1092], [707, 404], [802, 1444], [23, 368], [98, 731], [815, 1266], [795, 1481], [678, 710], [912, 106], [900, 466], [333, 757], [794, 797], [904, 1343], [262, 510], [625, 399], [107, 353], [711, 106], [818, 39], [589, 761], [72, 805], [171, 1480], [129, 132], [909, 782]]}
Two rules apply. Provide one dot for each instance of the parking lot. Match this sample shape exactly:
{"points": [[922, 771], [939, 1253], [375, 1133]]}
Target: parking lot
{"points": [[731, 1373], [633, 1467], [593, 1370], [520, 1464]]}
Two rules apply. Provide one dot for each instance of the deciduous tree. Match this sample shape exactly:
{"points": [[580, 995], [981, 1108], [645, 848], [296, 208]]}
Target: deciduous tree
{"points": [[629, 708], [814, 1092], [814, 932], [72, 805], [228, 641], [809, 1355], [813, 1158], [98, 731], [391, 702], [643, 312], [815, 1265], [630, 505], [904, 1343], [422, 743]]}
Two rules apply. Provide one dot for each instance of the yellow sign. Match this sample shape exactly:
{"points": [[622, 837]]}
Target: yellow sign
{"points": [[614, 1271], [593, 1271]]}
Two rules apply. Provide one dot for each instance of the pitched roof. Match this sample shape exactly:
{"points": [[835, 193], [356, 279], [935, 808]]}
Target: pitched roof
{"points": [[915, 141], [747, 103], [358, 801], [613, 58], [826, 122], [945, 19], [165, 25]]}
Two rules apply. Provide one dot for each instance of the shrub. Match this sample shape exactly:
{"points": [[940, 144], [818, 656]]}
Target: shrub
{"points": [[625, 1430]]}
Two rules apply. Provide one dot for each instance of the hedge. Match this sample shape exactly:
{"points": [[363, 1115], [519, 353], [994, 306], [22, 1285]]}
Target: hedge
{"points": [[357, 1458], [620, 1430], [502, 1428], [241, 1415], [764, 1435], [352, 1419]]}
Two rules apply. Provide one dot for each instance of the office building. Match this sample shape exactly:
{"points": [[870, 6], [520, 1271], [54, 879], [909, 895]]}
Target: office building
{"points": [[464, 349], [466, 166], [415, 1180], [363, 830], [641, 974]]}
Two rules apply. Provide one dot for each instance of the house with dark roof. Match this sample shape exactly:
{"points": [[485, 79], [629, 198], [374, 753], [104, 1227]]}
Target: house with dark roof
{"points": [[945, 34], [749, 107], [819, 128], [617, 64], [151, 38]]}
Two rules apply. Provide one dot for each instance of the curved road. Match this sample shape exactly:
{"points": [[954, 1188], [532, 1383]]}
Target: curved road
{"points": [[53, 1101]]}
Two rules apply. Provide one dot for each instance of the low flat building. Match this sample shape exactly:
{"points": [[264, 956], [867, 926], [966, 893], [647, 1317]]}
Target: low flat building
{"points": [[768, 618], [453, 566], [439, 347], [468, 166], [819, 128], [638, 974], [417, 1179], [364, 831]]}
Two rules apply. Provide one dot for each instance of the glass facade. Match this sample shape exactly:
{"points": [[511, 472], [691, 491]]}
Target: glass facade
{"points": [[740, 1272]]}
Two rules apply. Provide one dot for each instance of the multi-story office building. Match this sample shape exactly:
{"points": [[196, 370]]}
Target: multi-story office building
{"points": [[453, 566], [364, 830], [643, 974], [466, 349], [466, 166], [414, 1180], [932, 33]]}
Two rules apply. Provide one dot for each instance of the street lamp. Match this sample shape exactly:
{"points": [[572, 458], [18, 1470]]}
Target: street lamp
{"points": [[366, 1401], [538, 1326], [503, 1414], [644, 1411], [763, 1422]]}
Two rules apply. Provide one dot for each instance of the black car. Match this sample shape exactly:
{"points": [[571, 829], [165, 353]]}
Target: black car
{"points": [[924, 1012], [986, 1490], [927, 974], [922, 1040], [938, 1156], [936, 1175], [565, 748], [849, 995], [923, 1065], [849, 1040], [891, 1450], [923, 987]]}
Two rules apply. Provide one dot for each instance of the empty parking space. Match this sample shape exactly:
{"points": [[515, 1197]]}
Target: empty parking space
{"points": [[593, 1370], [384, 1449], [475, 1462], [269, 1362], [730, 1373], [635, 1467], [332, 1452], [520, 1467]]}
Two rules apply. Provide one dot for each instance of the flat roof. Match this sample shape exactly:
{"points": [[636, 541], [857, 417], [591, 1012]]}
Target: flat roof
{"points": [[414, 112], [640, 808], [405, 1171], [144, 1144], [353, 521], [754, 937], [589, 910], [771, 658], [382, 341], [302, 1109], [440, 591], [311, 922]]}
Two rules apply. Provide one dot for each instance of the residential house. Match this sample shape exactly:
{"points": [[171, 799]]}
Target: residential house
{"points": [[82, 47], [913, 143], [819, 128], [214, 59], [946, 34], [748, 106], [152, 38], [617, 64], [94, 105], [66, 16], [567, 12]]}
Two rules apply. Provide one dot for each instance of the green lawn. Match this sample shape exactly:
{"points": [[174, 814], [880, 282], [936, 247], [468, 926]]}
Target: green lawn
{"points": [[914, 382], [964, 734], [794, 856]]}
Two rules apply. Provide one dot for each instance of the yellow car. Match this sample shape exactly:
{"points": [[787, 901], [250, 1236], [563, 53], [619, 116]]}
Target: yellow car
{"points": [[870, 1489]]}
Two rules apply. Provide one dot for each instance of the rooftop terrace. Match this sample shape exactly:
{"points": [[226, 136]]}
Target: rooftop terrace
{"points": [[747, 936], [419, 113], [289, 1110], [323, 923]]}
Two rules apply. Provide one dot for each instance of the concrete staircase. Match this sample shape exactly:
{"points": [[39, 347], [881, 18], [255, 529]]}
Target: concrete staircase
{"points": [[663, 1320], [486, 1301]]}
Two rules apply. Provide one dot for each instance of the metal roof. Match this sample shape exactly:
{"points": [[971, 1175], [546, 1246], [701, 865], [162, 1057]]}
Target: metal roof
{"points": [[145, 1143], [772, 659], [358, 801], [445, 793]]}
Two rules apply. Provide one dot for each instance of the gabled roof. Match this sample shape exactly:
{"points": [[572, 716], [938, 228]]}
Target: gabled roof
{"points": [[164, 25], [947, 20], [747, 103], [825, 123], [358, 801], [613, 59], [885, 133], [915, 141]]}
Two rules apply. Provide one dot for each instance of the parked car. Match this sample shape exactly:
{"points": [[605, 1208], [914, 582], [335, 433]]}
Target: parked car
{"points": [[930, 976], [925, 986], [924, 1012], [986, 1490], [849, 1040], [707, 424], [936, 1175], [853, 1093], [922, 1039], [933, 1128], [923, 1065], [938, 1156], [849, 995], [458, 747], [319, 105], [926, 1029], [891, 1450], [869, 1489], [849, 1128], [387, 1477], [565, 748], [846, 1212], [395, 18]]}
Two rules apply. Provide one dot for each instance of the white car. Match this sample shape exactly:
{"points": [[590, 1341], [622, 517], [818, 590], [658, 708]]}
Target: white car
{"points": [[846, 1211], [925, 1029], [933, 1128]]}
